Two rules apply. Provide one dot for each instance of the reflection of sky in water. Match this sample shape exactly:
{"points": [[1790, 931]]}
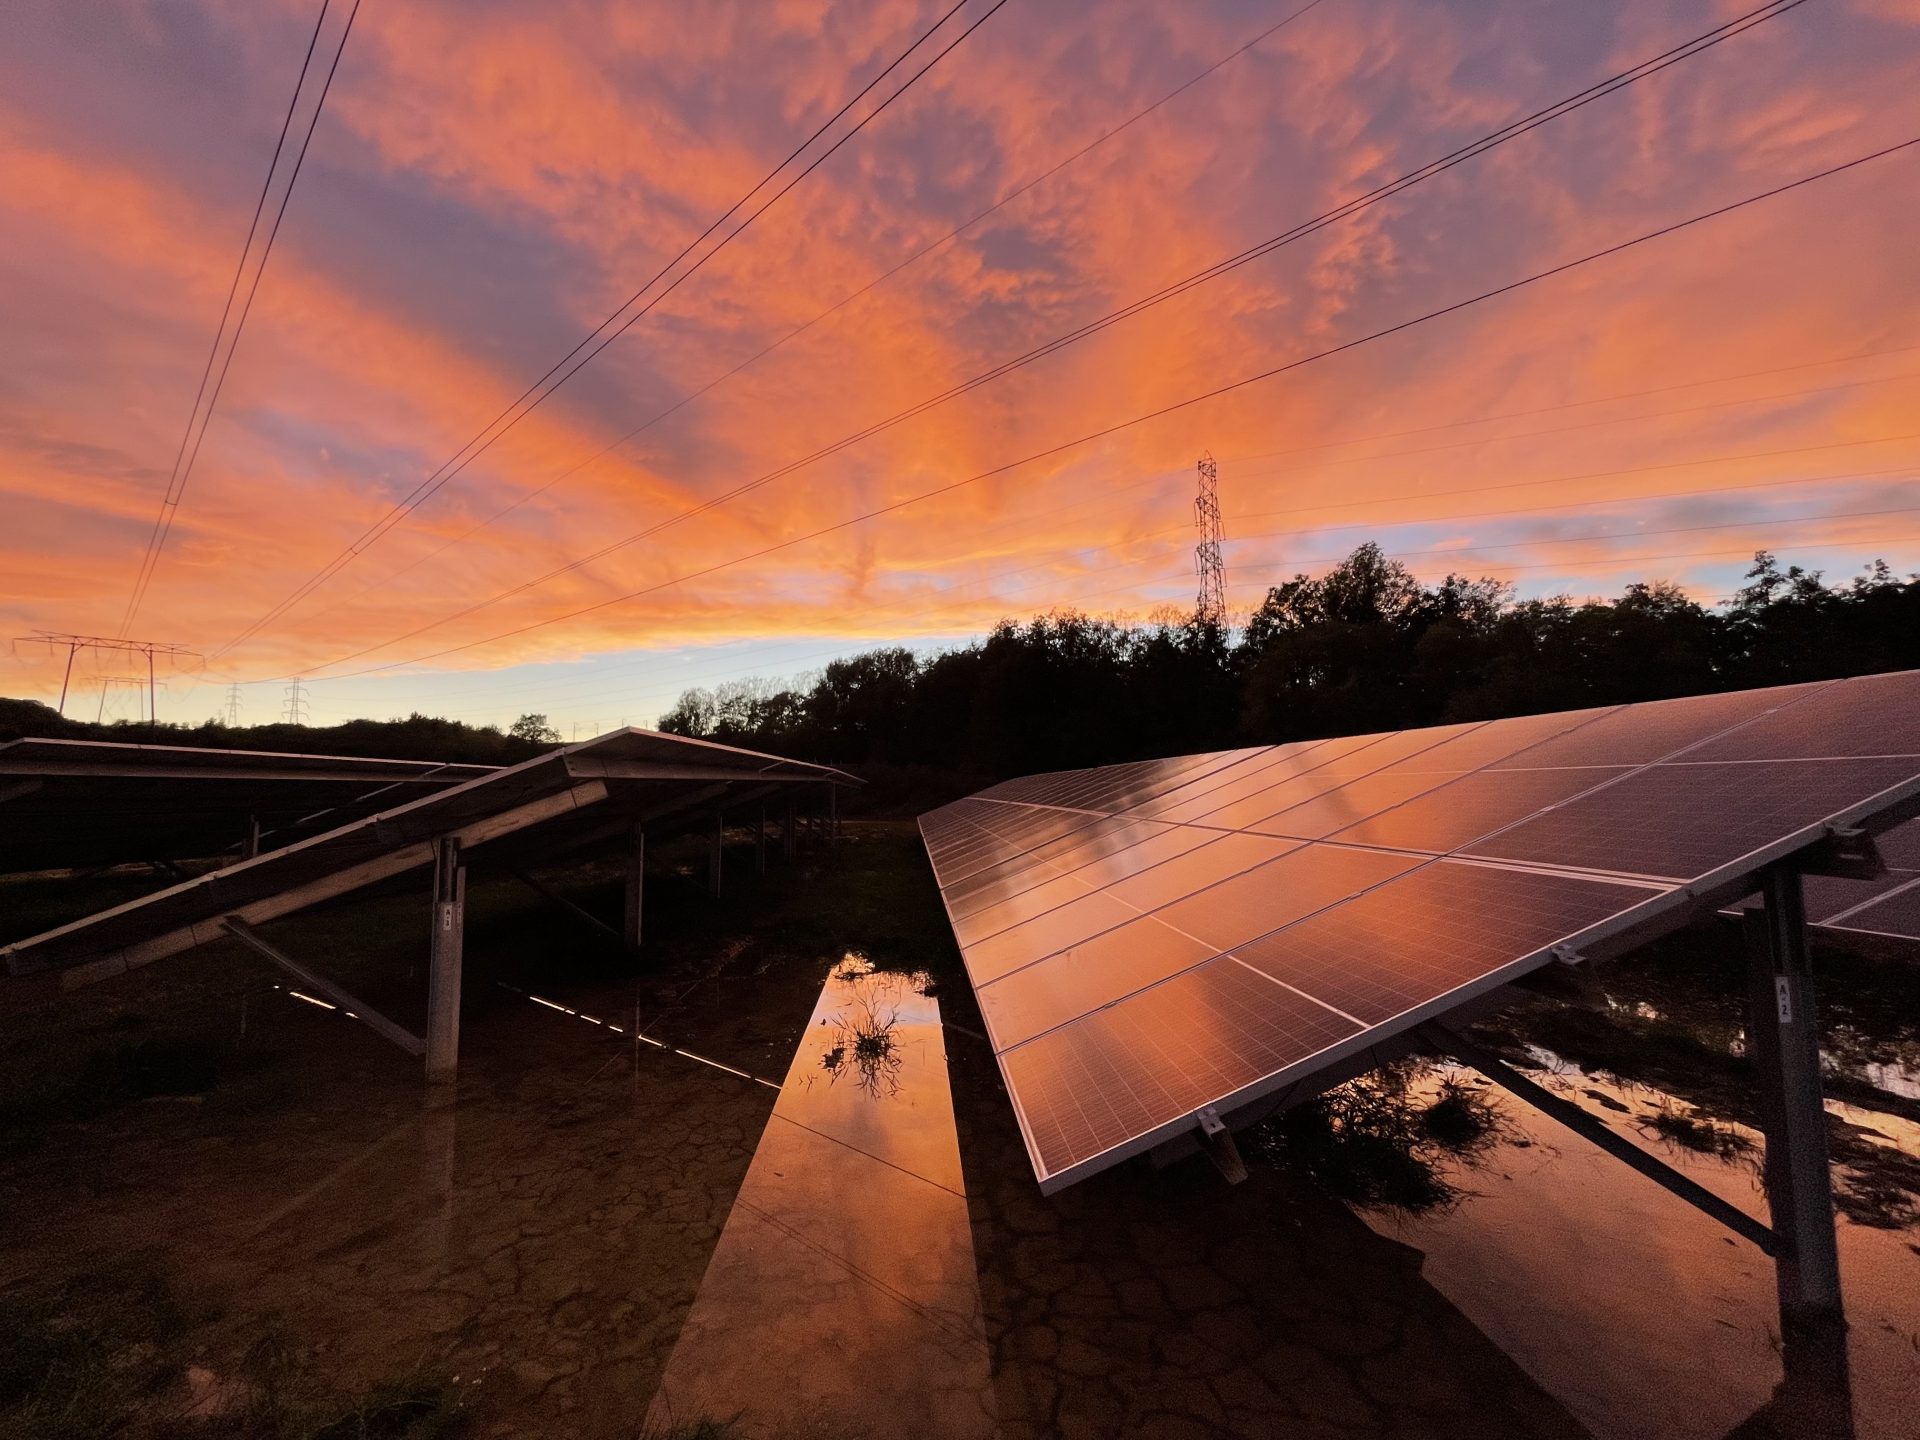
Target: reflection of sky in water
{"points": [[1639, 1313], [1893, 1077]]}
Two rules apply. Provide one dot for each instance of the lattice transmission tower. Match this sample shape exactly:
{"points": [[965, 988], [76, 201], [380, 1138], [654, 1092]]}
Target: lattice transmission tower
{"points": [[1211, 607], [233, 707], [54, 641], [296, 711], [108, 709]]}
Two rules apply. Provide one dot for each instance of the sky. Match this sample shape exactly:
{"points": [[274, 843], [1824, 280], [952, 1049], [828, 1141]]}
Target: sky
{"points": [[489, 179]]}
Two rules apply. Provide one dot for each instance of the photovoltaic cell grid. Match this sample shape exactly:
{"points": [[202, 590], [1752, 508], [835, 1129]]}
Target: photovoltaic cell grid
{"points": [[1152, 938]]}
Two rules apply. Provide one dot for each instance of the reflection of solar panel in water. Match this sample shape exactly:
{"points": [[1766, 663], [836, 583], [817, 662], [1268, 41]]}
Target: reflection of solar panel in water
{"points": [[1149, 939]]}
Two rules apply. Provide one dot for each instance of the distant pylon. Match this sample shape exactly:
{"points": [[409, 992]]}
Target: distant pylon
{"points": [[296, 712], [1211, 607], [108, 683], [233, 707]]}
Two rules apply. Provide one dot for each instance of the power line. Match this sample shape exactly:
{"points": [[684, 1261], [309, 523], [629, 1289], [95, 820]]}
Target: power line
{"points": [[911, 260], [1572, 504], [1609, 399], [568, 365], [1174, 578], [730, 670], [296, 707], [1217, 392], [1585, 425], [549, 688], [1379, 194], [198, 419], [1682, 555], [1106, 498], [1621, 535], [1588, 474]]}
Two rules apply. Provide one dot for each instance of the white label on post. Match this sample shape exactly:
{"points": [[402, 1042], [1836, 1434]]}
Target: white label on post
{"points": [[1783, 996], [446, 923]]}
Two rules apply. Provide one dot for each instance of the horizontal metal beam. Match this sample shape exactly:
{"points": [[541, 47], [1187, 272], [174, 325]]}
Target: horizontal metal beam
{"points": [[1581, 1123], [595, 767], [355, 1008], [298, 897], [123, 770]]}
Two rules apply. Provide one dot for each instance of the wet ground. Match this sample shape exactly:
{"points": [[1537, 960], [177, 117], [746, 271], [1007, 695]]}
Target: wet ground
{"points": [[1662, 1323], [529, 1259], [849, 1239]]}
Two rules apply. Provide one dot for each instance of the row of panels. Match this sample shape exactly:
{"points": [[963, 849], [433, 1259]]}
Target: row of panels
{"points": [[1149, 938]]}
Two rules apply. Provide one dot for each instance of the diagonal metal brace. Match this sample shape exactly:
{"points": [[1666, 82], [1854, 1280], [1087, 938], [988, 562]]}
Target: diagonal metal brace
{"points": [[313, 980], [1453, 1043], [547, 892]]}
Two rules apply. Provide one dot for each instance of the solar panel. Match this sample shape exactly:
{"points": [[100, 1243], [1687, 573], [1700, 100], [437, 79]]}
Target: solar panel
{"points": [[1221, 856], [1437, 927], [1642, 734], [1284, 890], [1837, 903], [88, 802], [1901, 846], [1873, 715], [1108, 870], [1076, 981], [1150, 1061], [1897, 915], [1684, 821], [1351, 803], [1268, 914], [1468, 806]]}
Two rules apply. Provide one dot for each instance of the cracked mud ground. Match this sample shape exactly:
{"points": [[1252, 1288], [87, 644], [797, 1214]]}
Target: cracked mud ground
{"points": [[543, 1241]]}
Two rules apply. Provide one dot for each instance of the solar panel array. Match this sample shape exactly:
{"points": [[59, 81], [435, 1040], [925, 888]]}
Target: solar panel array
{"points": [[600, 787], [89, 802], [1152, 938]]}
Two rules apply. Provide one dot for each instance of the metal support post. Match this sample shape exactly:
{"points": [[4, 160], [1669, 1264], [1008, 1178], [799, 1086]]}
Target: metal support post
{"points": [[636, 887], [789, 836], [1783, 1039], [443, 974], [760, 841], [67, 678], [713, 852], [250, 847], [833, 812]]}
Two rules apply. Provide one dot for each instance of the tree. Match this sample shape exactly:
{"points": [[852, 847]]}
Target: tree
{"points": [[534, 729], [692, 715]]}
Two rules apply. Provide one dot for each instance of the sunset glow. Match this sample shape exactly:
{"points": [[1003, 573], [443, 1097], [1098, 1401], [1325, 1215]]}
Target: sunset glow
{"points": [[488, 180]]}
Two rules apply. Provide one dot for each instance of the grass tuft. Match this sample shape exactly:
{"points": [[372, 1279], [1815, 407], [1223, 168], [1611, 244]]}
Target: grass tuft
{"points": [[1378, 1143]]}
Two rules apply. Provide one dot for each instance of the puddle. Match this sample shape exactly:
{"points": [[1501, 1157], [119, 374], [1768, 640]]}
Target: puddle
{"points": [[1643, 1316], [843, 1292]]}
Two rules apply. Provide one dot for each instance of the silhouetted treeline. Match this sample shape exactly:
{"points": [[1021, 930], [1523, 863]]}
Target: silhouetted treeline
{"points": [[1365, 647], [418, 737]]}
